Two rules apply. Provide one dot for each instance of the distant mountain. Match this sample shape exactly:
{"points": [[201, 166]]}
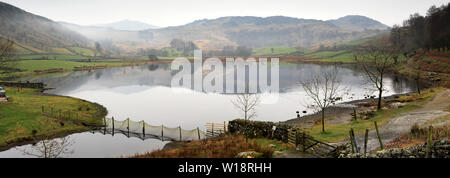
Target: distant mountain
{"points": [[35, 31], [358, 23], [270, 31], [129, 25], [127, 37], [249, 31]]}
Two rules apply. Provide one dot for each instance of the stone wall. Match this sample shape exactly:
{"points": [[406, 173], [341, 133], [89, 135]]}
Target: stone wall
{"points": [[255, 129], [23, 84], [440, 149]]}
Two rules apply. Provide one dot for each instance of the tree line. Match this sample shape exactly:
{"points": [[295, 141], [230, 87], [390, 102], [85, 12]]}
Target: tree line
{"points": [[431, 31], [183, 48]]}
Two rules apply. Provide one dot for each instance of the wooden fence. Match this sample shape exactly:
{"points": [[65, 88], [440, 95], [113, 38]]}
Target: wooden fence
{"points": [[216, 129], [307, 143], [70, 116]]}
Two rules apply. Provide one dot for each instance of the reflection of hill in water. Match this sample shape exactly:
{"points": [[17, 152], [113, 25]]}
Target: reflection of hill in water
{"points": [[161, 75]]}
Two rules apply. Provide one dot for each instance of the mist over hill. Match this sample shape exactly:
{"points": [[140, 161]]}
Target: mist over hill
{"points": [[127, 37], [128, 25], [33, 31], [246, 31]]}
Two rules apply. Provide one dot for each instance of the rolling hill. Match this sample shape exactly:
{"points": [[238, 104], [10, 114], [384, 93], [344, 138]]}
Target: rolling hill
{"points": [[272, 31], [35, 34], [248, 31]]}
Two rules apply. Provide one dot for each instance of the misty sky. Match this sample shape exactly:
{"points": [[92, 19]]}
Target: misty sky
{"points": [[179, 12]]}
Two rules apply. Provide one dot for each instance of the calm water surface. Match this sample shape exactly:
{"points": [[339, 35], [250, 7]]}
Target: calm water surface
{"points": [[144, 93]]}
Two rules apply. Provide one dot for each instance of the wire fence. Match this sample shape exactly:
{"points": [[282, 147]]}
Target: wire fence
{"points": [[139, 129], [143, 130]]}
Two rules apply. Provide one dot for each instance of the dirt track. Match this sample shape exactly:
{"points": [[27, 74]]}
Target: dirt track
{"points": [[403, 123]]}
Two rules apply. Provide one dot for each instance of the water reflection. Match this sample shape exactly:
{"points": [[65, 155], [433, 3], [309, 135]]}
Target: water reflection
{"points": [[144, 93], [54, 148], [92, 145]]}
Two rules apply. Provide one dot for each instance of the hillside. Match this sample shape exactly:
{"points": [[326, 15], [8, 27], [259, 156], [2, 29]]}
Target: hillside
{"points": [[358, 23], [270, 31], [249, 31], [35, 34]]}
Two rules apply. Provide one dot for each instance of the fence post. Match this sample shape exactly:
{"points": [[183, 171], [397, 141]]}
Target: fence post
{"points": [[429, 142], [366, 139], [354, 114], [378, 135], [198, 132], [143, 128], [224, 127], [162, 132], [112, 121], [128, 127], [180, 132], [351, 141], [212, 129], [104, 124], [354, 140]]}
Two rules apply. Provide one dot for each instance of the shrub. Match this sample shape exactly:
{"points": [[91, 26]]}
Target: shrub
{"points": [[258, 129]]}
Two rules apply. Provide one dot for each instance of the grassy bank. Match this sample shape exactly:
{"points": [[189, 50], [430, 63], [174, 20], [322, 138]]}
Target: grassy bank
{"points": [[21, 118], [30, 67], [339, 132]]}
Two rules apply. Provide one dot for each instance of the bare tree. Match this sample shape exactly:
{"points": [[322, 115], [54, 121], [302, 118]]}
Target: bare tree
{"points": [[50, 148], [246, 103], [7, 51], [324, 89], [376, 59]]}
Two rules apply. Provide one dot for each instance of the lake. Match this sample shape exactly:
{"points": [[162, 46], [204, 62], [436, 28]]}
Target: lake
{"points": [[144, 93]]}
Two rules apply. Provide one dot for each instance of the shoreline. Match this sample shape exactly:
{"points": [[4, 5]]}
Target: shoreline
{"points": [[295, 121], [340, 109], [78, 128]]}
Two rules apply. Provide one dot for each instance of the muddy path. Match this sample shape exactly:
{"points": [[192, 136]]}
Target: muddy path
{"points": [[402, 124]]}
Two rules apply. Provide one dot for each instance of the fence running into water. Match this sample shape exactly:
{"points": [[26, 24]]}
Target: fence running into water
{"points": [[143, 130], [140, 129]]}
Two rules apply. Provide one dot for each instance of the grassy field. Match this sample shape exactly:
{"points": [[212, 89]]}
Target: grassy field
{"points": [[82, 51], [29, 66], [21, 118], [52, 57], [339, 132], [344, 56], [277, 51], [61, 51]]}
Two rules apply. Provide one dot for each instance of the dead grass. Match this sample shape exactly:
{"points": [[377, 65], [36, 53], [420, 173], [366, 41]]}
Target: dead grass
{"points": [[418, 136], [227, 146]]}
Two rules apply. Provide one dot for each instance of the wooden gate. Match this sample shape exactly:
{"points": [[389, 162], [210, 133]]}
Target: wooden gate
{"points": [[306, 143], [216, 129]]}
